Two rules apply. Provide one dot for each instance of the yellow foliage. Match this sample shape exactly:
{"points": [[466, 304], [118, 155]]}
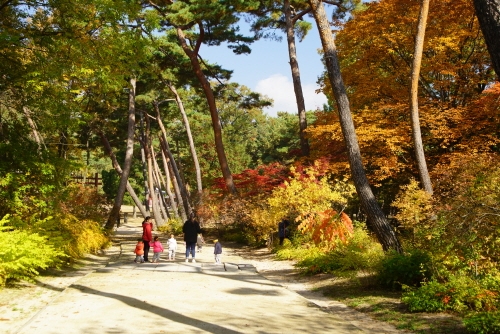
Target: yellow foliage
{"points": [[307, 194], [414, 206]]}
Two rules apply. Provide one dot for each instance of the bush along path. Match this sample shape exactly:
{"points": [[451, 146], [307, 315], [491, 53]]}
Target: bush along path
{"points": [[124, 297]]}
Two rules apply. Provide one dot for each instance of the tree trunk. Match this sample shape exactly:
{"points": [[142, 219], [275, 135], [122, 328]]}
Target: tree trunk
{"points": [[177, 189], [219, 146], [376, 219], [114, 215], [159, 181], [190, 138], [34, 130], [415, 74], [161, 199], [171, 196], [144, 139], [488, 14], [152, 191], [118, 169], [297, 87], [165, 146], [183, 193]]}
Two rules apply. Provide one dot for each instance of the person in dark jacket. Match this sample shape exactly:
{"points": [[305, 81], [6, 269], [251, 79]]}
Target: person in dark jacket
{"points": [[191, 229], [217, 251], [283, 230]]}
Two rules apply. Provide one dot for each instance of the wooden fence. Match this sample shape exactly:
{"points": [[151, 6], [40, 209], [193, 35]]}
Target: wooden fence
{"points": [[95, 180]]}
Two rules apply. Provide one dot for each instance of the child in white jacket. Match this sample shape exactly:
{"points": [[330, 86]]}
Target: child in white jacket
{"points": [[172, 247]]}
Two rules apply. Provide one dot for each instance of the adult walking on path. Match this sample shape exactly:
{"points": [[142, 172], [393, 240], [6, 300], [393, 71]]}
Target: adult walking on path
{"points": [[147, 236], [191, 229]]}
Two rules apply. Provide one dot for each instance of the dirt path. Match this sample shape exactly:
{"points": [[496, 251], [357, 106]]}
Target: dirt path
{"points": [[24, 302]]}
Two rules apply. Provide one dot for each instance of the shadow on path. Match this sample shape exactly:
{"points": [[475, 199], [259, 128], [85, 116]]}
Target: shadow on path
{"points": [[162, 312]]}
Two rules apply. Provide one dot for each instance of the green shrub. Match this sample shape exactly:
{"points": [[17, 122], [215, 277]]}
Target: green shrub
{"points": [[411, 268], [174, 226], [318, 262], [483, 322], [431, 297], [460, 293], [361, 253], [234, 235], [22, 254]]}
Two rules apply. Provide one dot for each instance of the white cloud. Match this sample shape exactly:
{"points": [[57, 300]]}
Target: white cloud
{"points": [[280, 89]]}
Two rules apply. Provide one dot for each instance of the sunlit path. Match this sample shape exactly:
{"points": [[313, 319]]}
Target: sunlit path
{"points": [[179, 297]]}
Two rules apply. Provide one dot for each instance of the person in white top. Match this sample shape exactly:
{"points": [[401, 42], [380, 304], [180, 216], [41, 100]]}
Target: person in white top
{"points": [[172, 247]]}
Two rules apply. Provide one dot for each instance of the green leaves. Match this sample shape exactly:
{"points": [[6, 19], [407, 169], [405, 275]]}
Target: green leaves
{"points": [[22, 253]]}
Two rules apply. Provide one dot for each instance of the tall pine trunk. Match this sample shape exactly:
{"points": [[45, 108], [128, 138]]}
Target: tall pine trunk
{"points": [[185, 119], [114, 215], [166, 148], [160, 181], [171, 196], [297, 86], [152, 191], [219, 146], [143, 139], [376, 218], [414, 114], [118, 169]]}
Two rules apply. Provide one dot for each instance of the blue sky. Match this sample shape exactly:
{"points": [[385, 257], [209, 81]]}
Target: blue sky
{"points": [[267, 71]]}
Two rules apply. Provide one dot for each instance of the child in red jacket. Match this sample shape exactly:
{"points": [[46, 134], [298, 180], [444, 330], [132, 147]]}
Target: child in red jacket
{"points": [[157, 249], [139, 251]]}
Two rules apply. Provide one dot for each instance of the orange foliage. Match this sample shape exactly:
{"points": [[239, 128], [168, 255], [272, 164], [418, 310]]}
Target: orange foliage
{"points": [[376, 49], [327, 228]]}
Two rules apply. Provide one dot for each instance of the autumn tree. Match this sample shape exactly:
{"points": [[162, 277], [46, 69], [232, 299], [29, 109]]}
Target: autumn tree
{"points": [[455, 70], [376, 217]]}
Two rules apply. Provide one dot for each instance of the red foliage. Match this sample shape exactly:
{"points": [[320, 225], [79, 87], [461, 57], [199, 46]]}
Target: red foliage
{"points": [[262, 179]]}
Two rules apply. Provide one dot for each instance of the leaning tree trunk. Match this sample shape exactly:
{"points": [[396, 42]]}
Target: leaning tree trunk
{"points": [[488, 14], [376, 218], [118, 169], [34, 130], [159, 180], [182, 189], [172, 198], [161, 199], [114, 215], [149, 158], [190, 138], [297, 86], [177, 189], [143, 139], [219, 146], [166, 149], [415, 74]]}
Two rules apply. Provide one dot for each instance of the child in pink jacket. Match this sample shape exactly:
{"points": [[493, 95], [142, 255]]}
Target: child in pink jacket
{"points": [[157, 249]]}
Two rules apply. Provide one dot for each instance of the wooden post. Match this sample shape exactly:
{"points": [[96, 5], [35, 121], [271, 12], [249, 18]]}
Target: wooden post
{"points": [[96, 180]]}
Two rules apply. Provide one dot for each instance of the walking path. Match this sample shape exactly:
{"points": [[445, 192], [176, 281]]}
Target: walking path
{"points": [[179, 297]]}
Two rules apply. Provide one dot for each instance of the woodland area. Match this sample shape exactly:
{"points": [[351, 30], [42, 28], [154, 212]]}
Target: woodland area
{"points": [[398, 176]]}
